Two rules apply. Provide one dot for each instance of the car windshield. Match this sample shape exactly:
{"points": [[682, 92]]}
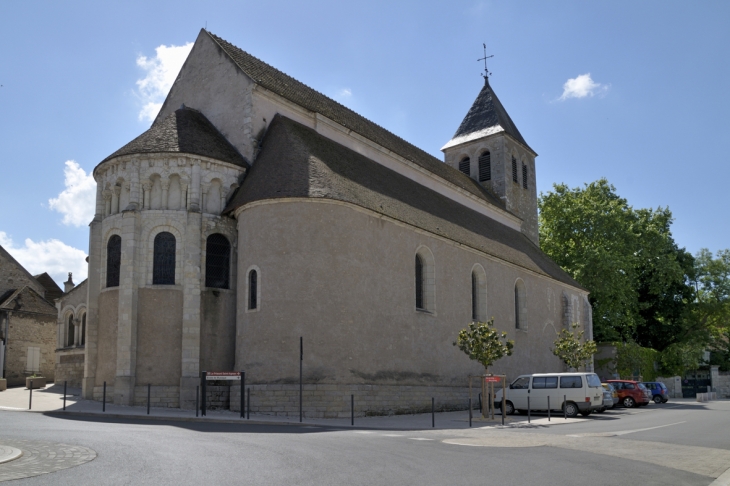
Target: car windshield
{"points": [[641, 385], [521, 383], [593, 380]]}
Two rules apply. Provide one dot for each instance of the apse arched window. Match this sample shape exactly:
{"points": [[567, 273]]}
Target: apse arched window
{"points": [[253, 290], [520, 306], [70, 331], [464, 165], [420, 301], [485, 167], [478, 294], [82, 341], [217, 261], [113, 260], [163, 265]]}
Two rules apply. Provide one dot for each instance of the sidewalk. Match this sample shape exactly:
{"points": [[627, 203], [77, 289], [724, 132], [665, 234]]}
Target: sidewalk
{"points": [[50, 400]]}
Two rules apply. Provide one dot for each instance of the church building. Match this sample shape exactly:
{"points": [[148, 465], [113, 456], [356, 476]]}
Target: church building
{"points": [[256, 211]]}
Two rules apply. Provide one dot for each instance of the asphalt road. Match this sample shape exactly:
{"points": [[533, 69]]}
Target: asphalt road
{"points": [[167, 453]]}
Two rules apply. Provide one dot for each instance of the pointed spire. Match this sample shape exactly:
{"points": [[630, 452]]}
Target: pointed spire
{"points": [[486, 117]]}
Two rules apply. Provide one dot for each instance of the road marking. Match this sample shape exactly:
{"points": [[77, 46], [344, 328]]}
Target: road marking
{"points": [[392, 435], [622, 432], [12, 408], [364, 432], [418, 438]]}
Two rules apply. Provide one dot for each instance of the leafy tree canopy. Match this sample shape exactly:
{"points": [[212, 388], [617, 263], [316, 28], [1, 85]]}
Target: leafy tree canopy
{"points": [[572, 349], [483, 343], [627, 259]]}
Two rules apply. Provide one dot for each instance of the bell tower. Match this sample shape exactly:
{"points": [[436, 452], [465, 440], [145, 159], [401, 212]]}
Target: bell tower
{"points": [[488, 148]]}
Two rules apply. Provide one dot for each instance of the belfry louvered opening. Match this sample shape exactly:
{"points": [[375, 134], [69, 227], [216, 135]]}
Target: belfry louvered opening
{"points": [[514, 170], [465, 165], [485, 167], [113, 260], [163, 266], [217, 261], [524, 176]]}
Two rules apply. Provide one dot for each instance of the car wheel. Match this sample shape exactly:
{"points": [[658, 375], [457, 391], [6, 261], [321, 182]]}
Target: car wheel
{"points": [[522, 412], [658, 399], [571, 410], [628, 402], [585, 413], [665, 401], [601, 410], [509, 409]]}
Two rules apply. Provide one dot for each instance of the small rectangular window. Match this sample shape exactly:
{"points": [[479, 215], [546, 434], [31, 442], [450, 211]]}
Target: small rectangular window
{"points": [[514, 170], [551, 382], [571, 382], [524, 176], [33, 360], [538, 383]]}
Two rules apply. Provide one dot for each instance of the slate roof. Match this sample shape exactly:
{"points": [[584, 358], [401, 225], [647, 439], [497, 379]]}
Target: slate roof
{"points": [[296, 161], [185, 131], [485, 117], [310, 99], [26, 299], [53, 291]]}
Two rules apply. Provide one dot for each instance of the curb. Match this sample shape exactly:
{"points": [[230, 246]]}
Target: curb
{"points": [[722, 480]]}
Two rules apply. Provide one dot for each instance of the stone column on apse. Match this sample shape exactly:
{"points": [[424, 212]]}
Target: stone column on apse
{"points": [[192, 256], [127, 320], [92, 307]]}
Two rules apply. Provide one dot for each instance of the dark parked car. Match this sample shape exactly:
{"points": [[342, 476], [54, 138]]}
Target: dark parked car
{"points": [[659, 392], [630, 395]]}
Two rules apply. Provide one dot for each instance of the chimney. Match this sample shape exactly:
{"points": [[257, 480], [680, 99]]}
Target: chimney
{"points": [[68, 285]]}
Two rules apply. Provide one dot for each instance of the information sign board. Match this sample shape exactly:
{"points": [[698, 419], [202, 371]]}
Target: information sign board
{"points": [[493, 379], [223, 375]]}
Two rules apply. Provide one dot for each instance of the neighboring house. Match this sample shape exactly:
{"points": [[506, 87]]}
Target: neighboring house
{"points": [[27, 321], [255, 211], [71, 334]]}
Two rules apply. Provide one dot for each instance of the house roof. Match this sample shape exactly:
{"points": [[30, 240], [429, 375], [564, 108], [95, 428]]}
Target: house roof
{"points": [[7, 256], [297, 162], [312, 100], [26, 299], [185, 131], [485, 117], [53, 291]]}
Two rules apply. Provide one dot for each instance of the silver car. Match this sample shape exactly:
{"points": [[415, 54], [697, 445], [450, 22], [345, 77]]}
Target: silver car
{"points": [[607, 401]]}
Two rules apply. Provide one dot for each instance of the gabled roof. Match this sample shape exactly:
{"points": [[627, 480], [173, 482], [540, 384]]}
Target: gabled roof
{"points": [[485, 117], [7, 256], [185, 131], [312, 100], [53, 291], [297, 162], [26, 299]]}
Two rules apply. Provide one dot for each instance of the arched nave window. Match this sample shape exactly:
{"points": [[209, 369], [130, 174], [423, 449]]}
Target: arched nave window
{"points": [[424, 280], [520, 306], [113, 260], [82, 341], [217, 261], [163, 266], [485, 167], [478, 294], [465, 165], [70, 331], [420, 301]]}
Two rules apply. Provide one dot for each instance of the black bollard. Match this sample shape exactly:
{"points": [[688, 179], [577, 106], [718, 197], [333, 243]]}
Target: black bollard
{"points": [[470, 412], [352, 410], [203, 392], [548, 408], [433, 412], [243, 385], [149, 386], [64, 395], [565, 412], [103, 399], [197, 395], [248, 404], [301, 361], [528, 410], [30, 400]]}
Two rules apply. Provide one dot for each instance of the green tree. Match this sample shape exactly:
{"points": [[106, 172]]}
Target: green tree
{"points": [[637, 276], [572, 349], [483, 343], [681, 357], [712, 306]]}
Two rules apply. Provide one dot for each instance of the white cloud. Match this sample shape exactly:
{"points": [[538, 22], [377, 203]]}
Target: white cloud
{"points": [[162, 70], [52, 256], [77, 201], [581, 87], [345, 93]]}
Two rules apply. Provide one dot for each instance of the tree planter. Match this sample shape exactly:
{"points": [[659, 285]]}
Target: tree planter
{"points": [[38, 382], [3, 384]]}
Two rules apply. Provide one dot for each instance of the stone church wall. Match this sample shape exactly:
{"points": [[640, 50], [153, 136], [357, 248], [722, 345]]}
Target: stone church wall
{"points": [[348, 289], [159, 337], [218, 331], [70, 367], [30, 330], [106, 369]]}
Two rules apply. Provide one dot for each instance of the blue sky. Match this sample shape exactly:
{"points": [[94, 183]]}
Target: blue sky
{"points": [[632, 91]]}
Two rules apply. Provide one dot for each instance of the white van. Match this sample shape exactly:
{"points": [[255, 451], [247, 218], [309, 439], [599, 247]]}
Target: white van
{"points": [[581, 392]]}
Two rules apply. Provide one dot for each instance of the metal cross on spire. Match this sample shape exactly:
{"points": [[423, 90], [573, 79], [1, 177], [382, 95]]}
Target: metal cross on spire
{"points": [[486, 71]]}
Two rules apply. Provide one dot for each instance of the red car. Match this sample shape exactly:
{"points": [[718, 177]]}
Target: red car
{"points": [[630, 393]]}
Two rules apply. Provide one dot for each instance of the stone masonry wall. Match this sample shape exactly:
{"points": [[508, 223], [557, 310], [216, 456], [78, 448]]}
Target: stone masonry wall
{"points": [[70, 367], [333, 401], [160, 396], [722, 385], [30, 330]]}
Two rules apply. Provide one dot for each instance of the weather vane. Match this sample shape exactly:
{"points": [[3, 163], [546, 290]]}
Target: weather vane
{"points": [[486, 71]]}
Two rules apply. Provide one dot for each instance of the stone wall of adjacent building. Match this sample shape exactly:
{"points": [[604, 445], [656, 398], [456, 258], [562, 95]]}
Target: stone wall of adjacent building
{"points": [[70, 366], [28, 330], [720, 382]]}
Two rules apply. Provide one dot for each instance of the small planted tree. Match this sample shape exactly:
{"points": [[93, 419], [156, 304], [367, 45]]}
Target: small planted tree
{"points": [[571, 348], [483, 343]]}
